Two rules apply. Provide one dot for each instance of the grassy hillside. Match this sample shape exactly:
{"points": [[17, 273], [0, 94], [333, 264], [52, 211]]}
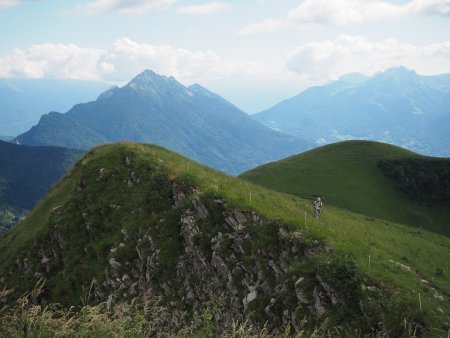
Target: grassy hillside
{"points": [[348, 175], [389, 256]]}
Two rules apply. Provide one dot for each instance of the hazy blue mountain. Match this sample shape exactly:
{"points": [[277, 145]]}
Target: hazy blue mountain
{"points": [[396, 106], [157, 109], [23, 101], [26, 174], [60, 130]]}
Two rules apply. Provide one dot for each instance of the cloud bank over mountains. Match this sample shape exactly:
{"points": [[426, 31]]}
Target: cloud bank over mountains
{"points": [[348, 12], [315, 61]]}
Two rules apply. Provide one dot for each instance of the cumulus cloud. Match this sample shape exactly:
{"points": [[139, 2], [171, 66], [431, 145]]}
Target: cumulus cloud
{"points": [[349, 12], [204, 9], [54, 60], [311, 63], [123, 60], [95, 7], [327, 60]]}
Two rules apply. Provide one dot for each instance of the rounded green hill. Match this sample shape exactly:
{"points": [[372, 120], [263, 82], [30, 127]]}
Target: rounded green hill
{"points": [[347, 175]]}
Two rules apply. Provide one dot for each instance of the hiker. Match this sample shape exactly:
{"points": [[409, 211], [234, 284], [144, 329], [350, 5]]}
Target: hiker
{"points": [[318, 204]]}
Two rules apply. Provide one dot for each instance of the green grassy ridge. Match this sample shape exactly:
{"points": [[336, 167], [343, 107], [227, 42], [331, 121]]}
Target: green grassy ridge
{"points": [[347, 175], [352, 235]]}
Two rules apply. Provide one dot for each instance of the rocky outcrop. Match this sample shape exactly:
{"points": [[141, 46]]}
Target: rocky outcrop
{"points": [[232, 273], [189, 249]]}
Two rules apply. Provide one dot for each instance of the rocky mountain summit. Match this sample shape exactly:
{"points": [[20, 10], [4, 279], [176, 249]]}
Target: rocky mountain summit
{"points": [[158, 109]]}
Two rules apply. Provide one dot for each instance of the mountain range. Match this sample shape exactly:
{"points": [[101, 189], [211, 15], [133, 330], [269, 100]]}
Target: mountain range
{"points": [[157, 109], [26, 174], [396, 106], [23, 101]]}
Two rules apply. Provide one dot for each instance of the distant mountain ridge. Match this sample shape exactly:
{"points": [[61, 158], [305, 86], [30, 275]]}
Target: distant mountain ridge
{"points": [[157, 109], [397, 106], [26, 174], [23, 101]]}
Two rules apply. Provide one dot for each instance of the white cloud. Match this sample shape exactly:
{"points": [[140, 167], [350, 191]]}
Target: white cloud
{"points": [[349, 12], [309, 64], [54, 60], [124, 59], [265, 26], [122, 6], [327, 60], [204, 9], [9, 3], [344, 12]]}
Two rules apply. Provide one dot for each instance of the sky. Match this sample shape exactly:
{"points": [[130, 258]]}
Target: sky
{"points": [[254, 53]]}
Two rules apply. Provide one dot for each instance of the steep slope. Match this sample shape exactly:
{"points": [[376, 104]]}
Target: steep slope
{"points": [[348, 175], [135, 221], [60, 130], [160, 110], [26, 174], [397, 106], [23, 101]]}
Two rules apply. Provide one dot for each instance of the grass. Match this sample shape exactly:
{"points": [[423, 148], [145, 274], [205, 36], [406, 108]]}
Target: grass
{"points": [[347, 175], [354, 236], [143, 318]]}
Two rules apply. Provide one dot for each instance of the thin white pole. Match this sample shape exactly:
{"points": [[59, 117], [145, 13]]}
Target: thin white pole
{"points": [[250, 198], [369, 262], [420, 303], [305, 219]]}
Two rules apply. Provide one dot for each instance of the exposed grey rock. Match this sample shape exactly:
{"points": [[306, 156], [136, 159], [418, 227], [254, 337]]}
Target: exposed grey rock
{"points": [[219, 264], [319, 307], [283, 234], [115, 266], [331, 293], [200, 209], [249, 298]]}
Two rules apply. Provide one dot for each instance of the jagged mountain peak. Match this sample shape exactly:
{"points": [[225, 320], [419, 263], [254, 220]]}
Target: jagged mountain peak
{"points": [[158, 109], [149, 81], [399, 72]]}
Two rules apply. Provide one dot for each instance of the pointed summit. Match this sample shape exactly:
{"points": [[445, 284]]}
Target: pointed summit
{"points": [[152, 83]]}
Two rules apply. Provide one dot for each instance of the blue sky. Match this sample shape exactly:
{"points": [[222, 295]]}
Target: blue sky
{"points": [[253, 52]]}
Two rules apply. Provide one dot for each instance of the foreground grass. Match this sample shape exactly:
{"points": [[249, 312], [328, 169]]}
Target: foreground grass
{"points": [[144, 317]]}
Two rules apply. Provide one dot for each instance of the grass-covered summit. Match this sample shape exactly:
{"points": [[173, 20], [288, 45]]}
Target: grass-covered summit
{"points": [[133, 225], [361, 176]]}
